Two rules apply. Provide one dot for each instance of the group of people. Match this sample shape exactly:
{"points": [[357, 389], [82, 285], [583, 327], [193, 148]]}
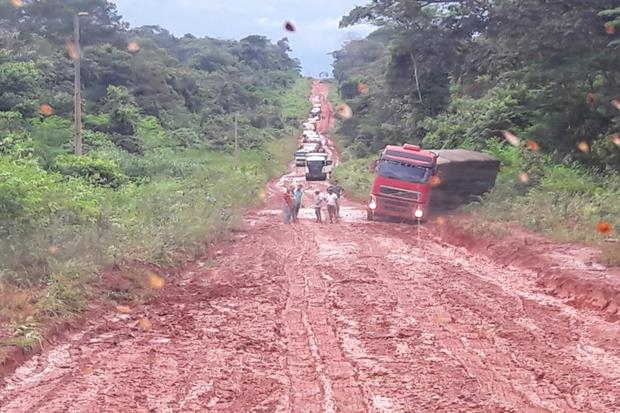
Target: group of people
{"points": [[293, 198]]}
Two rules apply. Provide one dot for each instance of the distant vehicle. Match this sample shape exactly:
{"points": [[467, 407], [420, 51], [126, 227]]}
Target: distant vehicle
{"points": [[300, 157], [406, 176], [304, 149], [310, 147], [315, 112], [318, 167], [310, 136]]}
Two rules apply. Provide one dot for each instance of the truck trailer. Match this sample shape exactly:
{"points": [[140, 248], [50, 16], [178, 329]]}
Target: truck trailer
{"points": [[409, 181]]}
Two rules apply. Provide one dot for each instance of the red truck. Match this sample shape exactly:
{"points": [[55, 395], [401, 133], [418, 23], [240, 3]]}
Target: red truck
{"points": [[410, 180]]}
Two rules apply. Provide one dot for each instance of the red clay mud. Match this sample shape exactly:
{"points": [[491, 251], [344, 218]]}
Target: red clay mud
{"points": [[568, 271], [349, 317]]}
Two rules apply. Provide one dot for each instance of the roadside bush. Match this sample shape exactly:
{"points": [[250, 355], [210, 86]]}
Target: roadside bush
{"points": [[564, 200], [356, 178], [100, 172]]}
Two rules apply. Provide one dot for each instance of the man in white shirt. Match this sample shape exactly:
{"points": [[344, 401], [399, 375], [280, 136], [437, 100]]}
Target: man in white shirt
{"points": [[332, 205]]}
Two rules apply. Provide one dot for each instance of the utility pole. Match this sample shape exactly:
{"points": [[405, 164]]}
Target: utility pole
{"points": [[77, 84], [236, 144]]}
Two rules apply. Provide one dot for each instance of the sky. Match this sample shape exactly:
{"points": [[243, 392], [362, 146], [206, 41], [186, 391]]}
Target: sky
{"points": [[316, 23]]}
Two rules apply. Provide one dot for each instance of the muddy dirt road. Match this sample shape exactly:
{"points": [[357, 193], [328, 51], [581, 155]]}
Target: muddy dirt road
{"points": [[350, 317]]}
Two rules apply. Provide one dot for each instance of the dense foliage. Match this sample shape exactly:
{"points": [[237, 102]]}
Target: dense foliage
{"points": [[457, 73]]}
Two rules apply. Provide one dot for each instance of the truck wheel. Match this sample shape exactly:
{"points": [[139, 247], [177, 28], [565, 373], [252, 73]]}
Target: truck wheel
{"points": [[370, 216]]}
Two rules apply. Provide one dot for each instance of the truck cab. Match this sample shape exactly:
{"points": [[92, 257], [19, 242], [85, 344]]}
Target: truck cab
{"points": [[318, 167], [402, 183]]}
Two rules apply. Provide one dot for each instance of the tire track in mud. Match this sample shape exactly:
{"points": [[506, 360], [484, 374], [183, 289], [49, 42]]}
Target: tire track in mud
{"points": [[312, 342], [468, 353]]}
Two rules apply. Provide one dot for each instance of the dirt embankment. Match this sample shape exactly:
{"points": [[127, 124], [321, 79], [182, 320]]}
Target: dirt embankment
{"points": [[349, 317], [565, 270]]}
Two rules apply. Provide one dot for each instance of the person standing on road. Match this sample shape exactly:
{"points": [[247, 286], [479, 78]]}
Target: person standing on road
{"points": [[288, 206], [318, 204], [332, 205], [339, 191], [298, 195]]}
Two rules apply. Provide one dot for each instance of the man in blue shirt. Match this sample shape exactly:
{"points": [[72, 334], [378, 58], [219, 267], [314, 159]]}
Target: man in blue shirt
{"points": [[298, 195]]}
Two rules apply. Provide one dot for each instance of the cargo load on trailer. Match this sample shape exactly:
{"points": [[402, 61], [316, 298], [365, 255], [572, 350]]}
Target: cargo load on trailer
{"points": [[462, 176], [410, 180]]}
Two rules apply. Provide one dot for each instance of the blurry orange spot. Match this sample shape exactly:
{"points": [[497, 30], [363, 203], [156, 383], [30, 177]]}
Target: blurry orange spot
{"points": [[362, 88], [590, 99], [344, 111], [511, 138], [583, 146], [46, 109], [262, 195], [616, 103], [615, 139], [604, 228], [155, 281], [435, 181], [145, 324], [523, 177], [53, 249], [133, 47], [441, 221], [72, 50], [610, 28], [288, 26], [532, 145], [123, 309], [87, 371], [16, 3]]}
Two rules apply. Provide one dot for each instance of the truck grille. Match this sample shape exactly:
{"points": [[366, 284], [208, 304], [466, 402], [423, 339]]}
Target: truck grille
{"points": [[395, 206], [399, 192]]}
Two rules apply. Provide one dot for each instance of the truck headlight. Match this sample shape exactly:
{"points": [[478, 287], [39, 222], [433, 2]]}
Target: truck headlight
{"points": [[418, 213]]}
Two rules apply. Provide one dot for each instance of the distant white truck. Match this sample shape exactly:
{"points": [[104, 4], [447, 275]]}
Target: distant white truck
{"points": [[318, 167]]}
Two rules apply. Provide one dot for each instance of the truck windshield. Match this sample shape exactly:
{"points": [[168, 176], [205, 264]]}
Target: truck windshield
{"points": [[315, 166], [403, 171]]}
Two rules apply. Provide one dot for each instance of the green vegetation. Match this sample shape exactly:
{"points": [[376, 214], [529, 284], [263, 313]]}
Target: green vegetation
{"points": [[450, 74], [159, 179], [356, 177]]}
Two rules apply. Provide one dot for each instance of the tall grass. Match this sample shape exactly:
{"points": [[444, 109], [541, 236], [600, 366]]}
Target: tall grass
{"points": [[564, 200], [355, 177]]}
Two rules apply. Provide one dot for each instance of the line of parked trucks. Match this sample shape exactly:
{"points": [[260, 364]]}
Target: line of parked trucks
{"points": [[311, 153]]}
